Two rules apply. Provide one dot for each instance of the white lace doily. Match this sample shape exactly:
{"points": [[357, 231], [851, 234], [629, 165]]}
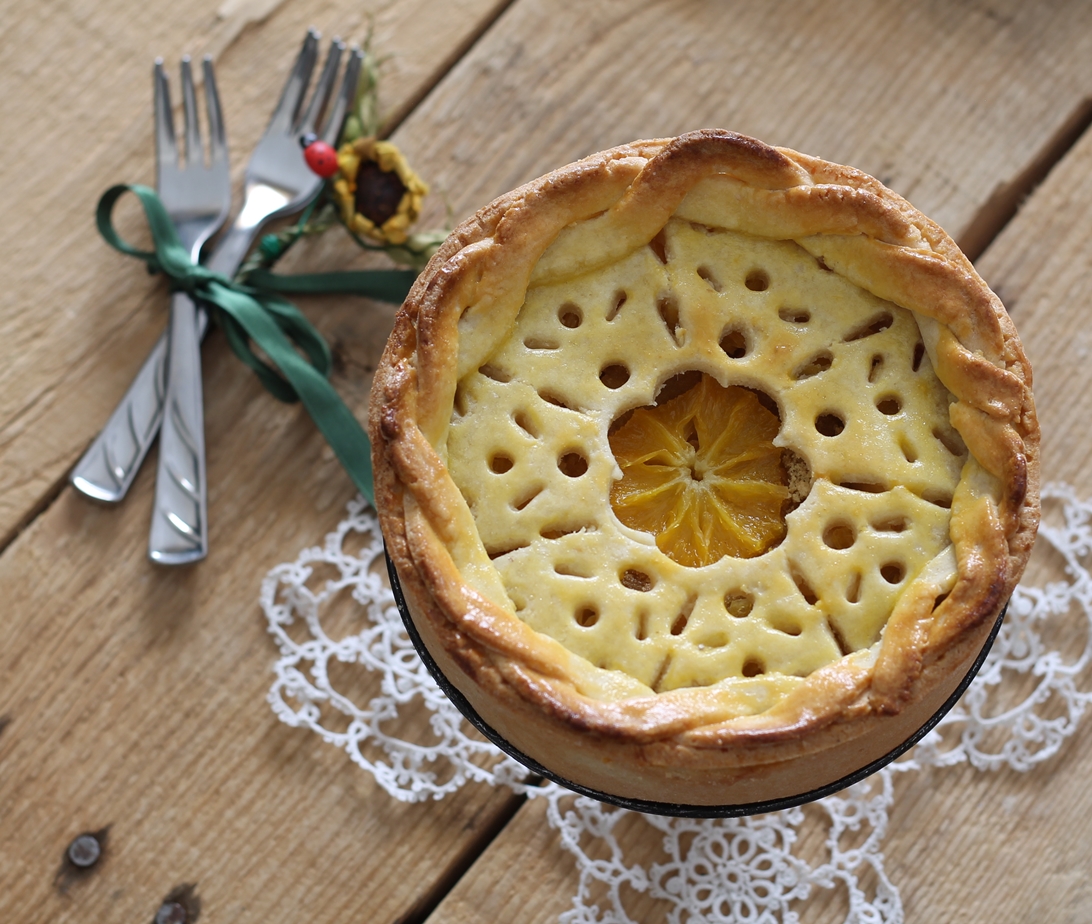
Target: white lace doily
{"points": [[720, 870]]}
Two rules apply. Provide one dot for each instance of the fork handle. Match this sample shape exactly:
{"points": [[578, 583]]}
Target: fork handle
{"points": [[108, 467], [110, 464], [179, 533]]}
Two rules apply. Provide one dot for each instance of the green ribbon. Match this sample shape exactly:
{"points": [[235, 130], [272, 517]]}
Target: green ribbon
{"points": [[251, 314]]}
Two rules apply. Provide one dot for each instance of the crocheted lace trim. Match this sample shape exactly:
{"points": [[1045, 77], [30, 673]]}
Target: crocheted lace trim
{"points": [[745, 869]]}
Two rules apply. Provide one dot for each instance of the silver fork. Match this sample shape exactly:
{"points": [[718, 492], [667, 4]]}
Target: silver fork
{"points": [[278, 183], [198, 199]]}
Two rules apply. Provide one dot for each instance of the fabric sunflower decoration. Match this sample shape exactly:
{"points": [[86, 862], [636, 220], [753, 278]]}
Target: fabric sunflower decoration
{"points": [[376, 191], [371, 189]]}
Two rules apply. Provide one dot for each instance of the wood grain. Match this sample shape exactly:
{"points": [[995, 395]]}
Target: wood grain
{"points": [[927, 98], [134, 696], [1016, 844], [947, 103], [76, 318]]}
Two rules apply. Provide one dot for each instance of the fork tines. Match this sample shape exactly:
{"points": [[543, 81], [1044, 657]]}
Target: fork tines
{"points": [[290, 116], [165, 143]]}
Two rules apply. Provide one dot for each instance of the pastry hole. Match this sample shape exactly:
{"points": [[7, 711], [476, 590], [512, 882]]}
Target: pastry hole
{"points": [[909, 453], [798, 474], [767, 402], [663, 439], [757, 280], [853, 591], [951, 441], [620, 422], [870, 328], [570, 571], [794, 315], [661, 672], [707, 274], [540, 343], [558, 532], [820, 362], [803, 586], [500, 463], [642, 626], [616, 305], [893, 572], [869, 487], [495, 373], [753, 667], [839, 639], [839, 536], [679, 625], [875, 367], [889, 405], [669, 313], [501, 551], [570, 316], [787, 627], [919, 355], [522, 502], [715, 640], [587, 616], [677, 385], [734, 344], [891, 524], [552, 398], [939, 600], [829, 424], [938, 498], [738, 603], [614, 376], [823, 265], [524, 423], [461, 406], [637, 580], [658, 245], [572, 464]]}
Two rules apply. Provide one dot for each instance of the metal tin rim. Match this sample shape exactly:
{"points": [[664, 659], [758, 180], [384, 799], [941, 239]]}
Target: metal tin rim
{"points": [[673, 808]]}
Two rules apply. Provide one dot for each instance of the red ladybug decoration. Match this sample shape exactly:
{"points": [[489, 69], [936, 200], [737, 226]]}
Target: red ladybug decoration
{"points": [[321, 158]]}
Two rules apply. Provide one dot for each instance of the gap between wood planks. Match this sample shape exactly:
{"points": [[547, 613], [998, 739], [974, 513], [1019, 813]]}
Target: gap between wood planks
{"points": [[45, 501], [1005, 201], [422, 909], [989, 221], [986, 225]]}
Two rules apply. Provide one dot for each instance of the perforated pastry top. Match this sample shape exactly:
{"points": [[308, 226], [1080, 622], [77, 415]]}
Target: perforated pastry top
{"points": [[708, 445]]}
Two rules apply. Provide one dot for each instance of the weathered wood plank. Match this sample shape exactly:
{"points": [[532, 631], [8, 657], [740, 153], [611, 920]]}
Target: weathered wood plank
{"points": [[76, 318], [965, 845], [946, 103], [134, 697], [949, 105]]}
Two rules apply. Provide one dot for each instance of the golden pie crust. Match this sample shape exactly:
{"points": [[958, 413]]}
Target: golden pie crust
{"points": [[538, 315]]}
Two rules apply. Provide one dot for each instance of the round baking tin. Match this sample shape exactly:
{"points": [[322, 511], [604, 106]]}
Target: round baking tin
{"points": [[674, 808]]}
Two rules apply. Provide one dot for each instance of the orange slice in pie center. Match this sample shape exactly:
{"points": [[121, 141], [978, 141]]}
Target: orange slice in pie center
{"points": [[700, 472]]}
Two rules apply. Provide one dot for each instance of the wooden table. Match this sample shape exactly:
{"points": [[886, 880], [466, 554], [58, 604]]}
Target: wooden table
{"points": [[133, 696]]}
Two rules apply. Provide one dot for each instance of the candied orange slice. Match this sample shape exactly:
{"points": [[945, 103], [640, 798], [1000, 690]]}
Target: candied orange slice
{"points": [[701, 473]]}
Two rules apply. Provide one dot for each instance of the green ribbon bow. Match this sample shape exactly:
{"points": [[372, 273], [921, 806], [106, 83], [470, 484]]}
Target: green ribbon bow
{"points": [[250, 313]]}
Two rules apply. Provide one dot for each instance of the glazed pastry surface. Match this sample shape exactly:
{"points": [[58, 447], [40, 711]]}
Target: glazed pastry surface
{"points": [[858, 402]]}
